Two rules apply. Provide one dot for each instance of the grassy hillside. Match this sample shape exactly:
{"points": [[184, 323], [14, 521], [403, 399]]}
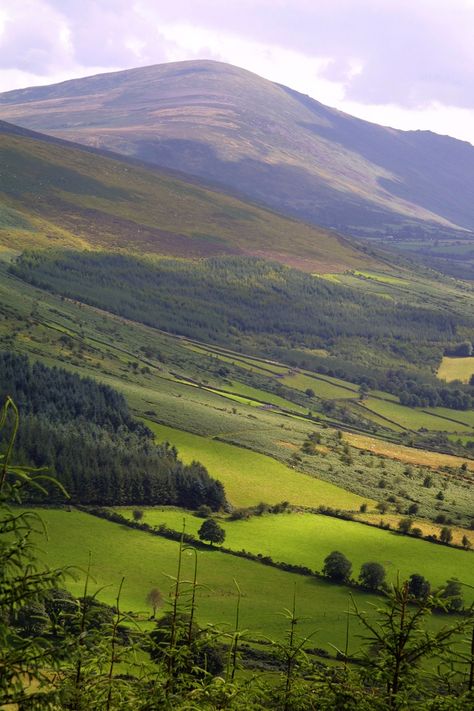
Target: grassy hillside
{"points": [[148, 561], [57, 195], [267, 141], [306, 539], [180, 383], [250, 478], [262, 307], [394, 476]]}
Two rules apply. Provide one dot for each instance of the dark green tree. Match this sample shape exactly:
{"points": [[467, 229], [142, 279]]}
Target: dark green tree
{"points": [[23, 586], [397, 643], [372, 575], [337, 567], [404, 525], [418, 586], [212, 532]]}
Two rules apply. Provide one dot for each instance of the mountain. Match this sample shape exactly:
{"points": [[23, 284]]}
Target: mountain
{"points": [[267, 142], [56, 194]]}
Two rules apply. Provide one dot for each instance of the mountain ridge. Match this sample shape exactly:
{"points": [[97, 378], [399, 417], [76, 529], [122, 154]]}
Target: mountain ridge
{"points": [[267, 141]]}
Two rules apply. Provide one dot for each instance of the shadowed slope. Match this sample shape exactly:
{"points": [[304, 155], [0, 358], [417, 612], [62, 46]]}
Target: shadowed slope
{"points": [[57, 194], [267, 141]]}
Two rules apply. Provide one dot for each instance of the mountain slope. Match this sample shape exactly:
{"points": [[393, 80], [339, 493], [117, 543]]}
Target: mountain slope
{"points": [[57, 194], [266, 141]]}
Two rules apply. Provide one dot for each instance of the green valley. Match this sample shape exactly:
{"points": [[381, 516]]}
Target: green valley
{"points": [[172, 354]]}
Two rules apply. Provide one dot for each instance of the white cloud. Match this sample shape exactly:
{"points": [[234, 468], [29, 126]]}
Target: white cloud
{"points": [[436, 117], [406, 63], [284, 66]]}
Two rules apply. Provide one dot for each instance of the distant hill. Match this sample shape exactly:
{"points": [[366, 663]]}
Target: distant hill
{"points": [[267, 142], [55, 194]]}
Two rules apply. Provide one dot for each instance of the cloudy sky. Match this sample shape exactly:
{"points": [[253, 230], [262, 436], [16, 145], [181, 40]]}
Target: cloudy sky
{"points": [[404, 63]]}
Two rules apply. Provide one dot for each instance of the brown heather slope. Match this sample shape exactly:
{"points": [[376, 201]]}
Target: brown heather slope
{"points": [[56, 194], [265, 141]]}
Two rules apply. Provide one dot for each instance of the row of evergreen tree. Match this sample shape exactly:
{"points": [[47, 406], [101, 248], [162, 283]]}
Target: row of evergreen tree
{"points": [[85, 436]]}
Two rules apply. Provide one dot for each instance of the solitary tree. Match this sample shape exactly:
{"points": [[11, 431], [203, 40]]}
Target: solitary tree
{"points": [[337, 567], [32, 619], [418, 586], [372, 575], [212, 532], [137, 514], [154, 598]]}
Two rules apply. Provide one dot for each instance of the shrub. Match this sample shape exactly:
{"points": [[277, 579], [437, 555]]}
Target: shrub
{"points": [[204, 511], [372, 575], [446, 535], [404, 525]]}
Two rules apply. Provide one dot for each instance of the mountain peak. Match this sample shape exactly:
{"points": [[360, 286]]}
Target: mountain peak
{"points": [[265, 141]]}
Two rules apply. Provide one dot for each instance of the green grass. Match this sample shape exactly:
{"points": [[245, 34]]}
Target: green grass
{"points": [[247, 362], [384, 278], [146, 561], [250, 477], [463, 416], [322, 388], [306, 539], [262, 397], [414, 419]]}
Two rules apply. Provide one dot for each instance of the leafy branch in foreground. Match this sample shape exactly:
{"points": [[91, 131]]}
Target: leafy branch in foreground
{"points": [[25, 663], [397, 642]]}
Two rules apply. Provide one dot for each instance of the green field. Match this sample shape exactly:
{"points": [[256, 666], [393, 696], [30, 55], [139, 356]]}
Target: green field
{"points": [[146, 561], [261, 397], [250, 478], [414, 419], [103, 347], [322, 388], [383, 278], [306, 539]]}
